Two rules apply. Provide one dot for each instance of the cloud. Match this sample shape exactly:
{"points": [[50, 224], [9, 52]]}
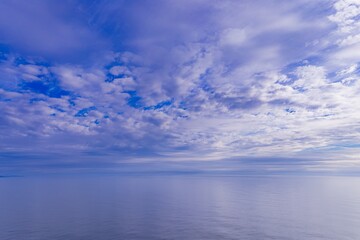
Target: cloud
{"points": [[233, 36], [310, 77], [201, 82], [45, 29]]}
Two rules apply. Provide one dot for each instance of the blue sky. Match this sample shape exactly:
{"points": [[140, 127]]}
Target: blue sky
{"points": [[167, 85]]}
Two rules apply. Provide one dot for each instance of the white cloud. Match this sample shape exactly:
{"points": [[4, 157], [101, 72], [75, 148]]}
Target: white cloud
{"points": [[310, 77], [346, 12], [249, 87], [117, 70], [233, 37]]}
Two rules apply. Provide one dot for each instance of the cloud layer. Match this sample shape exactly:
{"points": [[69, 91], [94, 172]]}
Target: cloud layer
{"points": [[190, 85]]}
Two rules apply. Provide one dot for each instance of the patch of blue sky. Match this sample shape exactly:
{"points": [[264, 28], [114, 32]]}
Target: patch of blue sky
{"points": [[4, 48], [334, 76], [290, 110], [207, 87], [134, 100], [352, 145], [19, 60], [340, 147], [47, 85], [85, 111], [330, 48], [4, 52], [50, 89], [57, 108], [160, 105], [71, 102], [182, 105], [110, 77]]}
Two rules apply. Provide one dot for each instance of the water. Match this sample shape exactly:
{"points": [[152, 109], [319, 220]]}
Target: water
{"points": [[180, 207]]}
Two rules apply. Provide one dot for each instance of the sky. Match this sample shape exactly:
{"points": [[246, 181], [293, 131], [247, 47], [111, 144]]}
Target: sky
{"points": [[184, 86]]}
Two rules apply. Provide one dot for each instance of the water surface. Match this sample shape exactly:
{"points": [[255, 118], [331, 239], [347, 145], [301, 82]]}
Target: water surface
{"points": [[179, 207]]}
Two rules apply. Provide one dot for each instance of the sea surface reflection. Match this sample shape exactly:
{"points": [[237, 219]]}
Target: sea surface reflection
{"points": [[179, 207]]}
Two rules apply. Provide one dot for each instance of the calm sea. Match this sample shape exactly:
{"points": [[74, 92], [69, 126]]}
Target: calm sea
{"points": [[179, 207]]}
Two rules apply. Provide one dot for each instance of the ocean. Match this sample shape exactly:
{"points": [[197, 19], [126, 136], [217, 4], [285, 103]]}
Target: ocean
{"points": [[180, 207]]}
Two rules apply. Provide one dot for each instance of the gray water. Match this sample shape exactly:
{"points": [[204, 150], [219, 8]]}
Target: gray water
{"points": [[180, 207]]}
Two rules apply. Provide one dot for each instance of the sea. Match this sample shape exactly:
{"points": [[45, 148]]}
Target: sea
{"points": [[165, 207]]}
